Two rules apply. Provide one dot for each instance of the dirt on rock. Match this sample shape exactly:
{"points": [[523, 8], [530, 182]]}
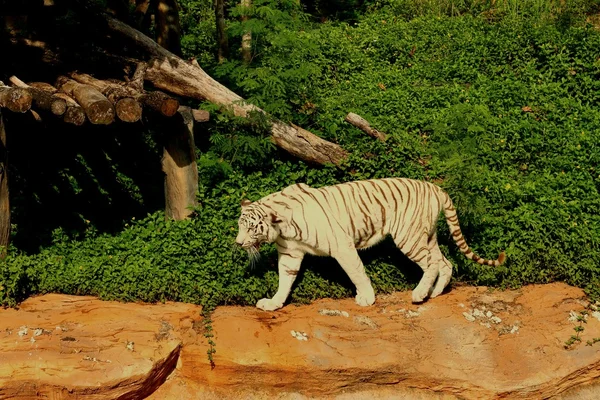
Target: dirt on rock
{"points": [[471, 343]]}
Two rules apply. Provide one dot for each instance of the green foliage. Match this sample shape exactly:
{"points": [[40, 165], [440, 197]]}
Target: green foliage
{"points": [[494, 102]]}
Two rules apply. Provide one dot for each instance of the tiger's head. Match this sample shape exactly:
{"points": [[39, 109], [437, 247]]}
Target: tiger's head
{"points": [[257, 225]]}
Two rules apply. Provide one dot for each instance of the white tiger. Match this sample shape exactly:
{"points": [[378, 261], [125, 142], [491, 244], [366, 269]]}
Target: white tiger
{"points": [[337, 220]]}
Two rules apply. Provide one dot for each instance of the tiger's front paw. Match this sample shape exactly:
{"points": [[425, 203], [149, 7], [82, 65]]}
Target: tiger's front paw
{"points": [[268, 305], [419, 294], [365, 298]]}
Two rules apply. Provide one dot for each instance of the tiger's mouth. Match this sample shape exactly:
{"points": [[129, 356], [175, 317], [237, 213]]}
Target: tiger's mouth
{"points": [[253, 246]]}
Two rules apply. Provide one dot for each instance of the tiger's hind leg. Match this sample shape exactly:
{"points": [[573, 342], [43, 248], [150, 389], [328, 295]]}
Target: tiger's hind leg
{"points": [[444, 267], [419, 252]]}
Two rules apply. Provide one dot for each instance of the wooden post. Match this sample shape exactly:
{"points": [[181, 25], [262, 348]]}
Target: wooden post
{"points": [[179, 165], [4, 202]]}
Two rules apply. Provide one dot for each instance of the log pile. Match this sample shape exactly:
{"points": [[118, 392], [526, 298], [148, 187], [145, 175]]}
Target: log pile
{"points": [[78, 98]]}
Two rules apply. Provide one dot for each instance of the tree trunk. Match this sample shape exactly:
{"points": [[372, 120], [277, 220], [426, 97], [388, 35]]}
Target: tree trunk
{"points": [[179, 165], [168, 29], [247, 36], [4, 199], [141, 15], [223, 49], [97, 107], [42, 99], [364, 126], [171, 73]]}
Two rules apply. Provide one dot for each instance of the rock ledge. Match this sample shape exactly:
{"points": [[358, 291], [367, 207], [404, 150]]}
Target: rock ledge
{"points": [[470, 343]]}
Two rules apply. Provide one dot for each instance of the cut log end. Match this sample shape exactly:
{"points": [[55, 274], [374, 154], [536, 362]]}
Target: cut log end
{"points": [[98, 109], [128, 110], [160, 102], [100, 113], [58, 107], [169, 107], [74, 115], [15, 99]]}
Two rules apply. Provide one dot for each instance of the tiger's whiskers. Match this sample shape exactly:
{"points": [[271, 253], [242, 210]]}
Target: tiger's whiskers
{"points": [[253, 255]]}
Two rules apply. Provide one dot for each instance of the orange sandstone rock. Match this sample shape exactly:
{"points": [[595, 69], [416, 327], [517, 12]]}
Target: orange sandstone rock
{"points": [[471, 343]]}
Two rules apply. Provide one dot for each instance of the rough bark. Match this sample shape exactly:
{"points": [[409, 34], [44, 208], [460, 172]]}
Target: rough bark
{"points": [[42, 99], [168, 29], [222, 41], [364, 126], [179, 165], [167, 71], [4, 198], [43, 86], [97, 107], [123, 98], [247, 36], [74, 114], [15, 99]]}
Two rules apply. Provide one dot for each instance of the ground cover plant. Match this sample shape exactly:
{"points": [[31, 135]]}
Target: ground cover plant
{"points": [[496, 105]]}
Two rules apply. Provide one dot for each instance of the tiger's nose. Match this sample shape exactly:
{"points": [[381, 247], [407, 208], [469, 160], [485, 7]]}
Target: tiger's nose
{"points": [[239, 243]]}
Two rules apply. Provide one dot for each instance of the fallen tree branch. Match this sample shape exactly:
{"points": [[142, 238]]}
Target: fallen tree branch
{"points": [[169, 72], [364, 126]]}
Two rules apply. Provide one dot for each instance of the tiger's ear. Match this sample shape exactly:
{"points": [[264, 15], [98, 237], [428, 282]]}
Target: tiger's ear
{"points": [[275, 219], [246, 203]]}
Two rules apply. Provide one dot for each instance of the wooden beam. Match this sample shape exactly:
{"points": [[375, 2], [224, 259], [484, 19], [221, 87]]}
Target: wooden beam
{"points": [[179, 165], [200, 115], [4, 193], [74, 114], [42, 99], [117, 90], [97, 107], [160, 102], [15, 99], [125, 101]]}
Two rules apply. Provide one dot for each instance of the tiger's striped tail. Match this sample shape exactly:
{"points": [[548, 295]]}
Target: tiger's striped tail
{"points": [[452, 220]]}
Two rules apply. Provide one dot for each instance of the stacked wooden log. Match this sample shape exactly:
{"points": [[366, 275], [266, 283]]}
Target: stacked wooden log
{"points": [[78, 98]]}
